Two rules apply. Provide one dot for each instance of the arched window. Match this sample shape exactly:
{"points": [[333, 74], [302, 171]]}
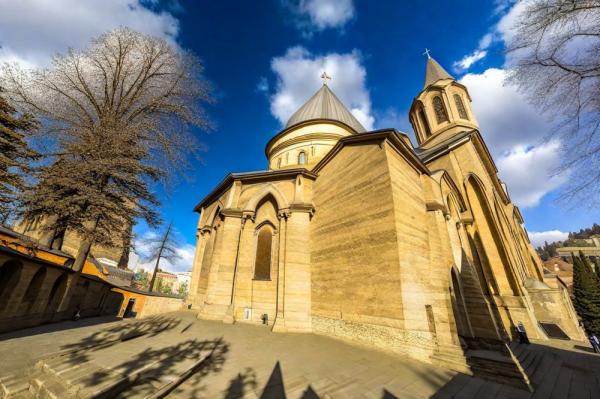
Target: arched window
{"points": [[423, 119], [460, 106], [440, 111], [264, 243], [301, 158], [279, 162]]}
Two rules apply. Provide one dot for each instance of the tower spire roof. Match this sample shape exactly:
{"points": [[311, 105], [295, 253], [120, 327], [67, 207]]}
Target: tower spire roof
{"points": [[434, 72], [324, 104]]}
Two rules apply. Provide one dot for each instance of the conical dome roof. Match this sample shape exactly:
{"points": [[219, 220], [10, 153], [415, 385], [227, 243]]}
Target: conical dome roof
{"points": [[325, 105], [434, 72]]}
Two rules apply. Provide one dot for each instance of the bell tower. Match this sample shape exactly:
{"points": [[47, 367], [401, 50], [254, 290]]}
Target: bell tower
{"points": [[442, 109]]}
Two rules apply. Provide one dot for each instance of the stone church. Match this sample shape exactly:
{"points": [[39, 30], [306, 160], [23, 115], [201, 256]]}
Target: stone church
{"points": [[360, 235]]}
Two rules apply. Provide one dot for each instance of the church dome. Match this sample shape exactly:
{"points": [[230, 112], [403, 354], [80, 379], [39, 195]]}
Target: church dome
{"points": [[311, 132], [325, 105]]}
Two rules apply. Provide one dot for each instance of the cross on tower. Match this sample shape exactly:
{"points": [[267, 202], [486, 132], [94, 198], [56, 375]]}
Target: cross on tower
{"points": [[427, 51], [325, 77]]}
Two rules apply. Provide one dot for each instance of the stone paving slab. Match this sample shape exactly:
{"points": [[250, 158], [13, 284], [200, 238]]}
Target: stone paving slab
{"points": [[251, 362]]}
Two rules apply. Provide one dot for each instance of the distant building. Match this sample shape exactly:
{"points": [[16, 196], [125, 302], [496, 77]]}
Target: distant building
{"points": [[165, 279], [183, 278], [591, 249]]}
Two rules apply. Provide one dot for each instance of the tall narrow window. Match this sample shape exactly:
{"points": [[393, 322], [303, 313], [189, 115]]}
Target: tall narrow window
{"points": [[262, 265], [460, 106], [440, 111], [279, 162], [423, 119], [301, 158]]}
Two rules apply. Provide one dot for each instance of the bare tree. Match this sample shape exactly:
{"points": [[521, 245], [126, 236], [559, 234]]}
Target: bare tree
{"points": [[555, 58], [119, 112], [163, 247], [15, 155]]}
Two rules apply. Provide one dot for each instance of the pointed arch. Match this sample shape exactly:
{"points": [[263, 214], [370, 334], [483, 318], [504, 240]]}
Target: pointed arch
{"points": [[459, 307], [33, 289], [210, 219], [460, 106], [422, 118], [272, 190], [491, 239], [10, 274], [441, 115]]}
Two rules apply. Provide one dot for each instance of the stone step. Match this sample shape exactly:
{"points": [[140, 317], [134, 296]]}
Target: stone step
{"points": [[13, 384], [48, 387], [497, 367]]}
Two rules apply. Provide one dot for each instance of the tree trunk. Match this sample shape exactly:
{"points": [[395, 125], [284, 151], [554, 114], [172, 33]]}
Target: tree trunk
{"points": [[151, 286], [124, 259], [84, 250], [82, 255]]}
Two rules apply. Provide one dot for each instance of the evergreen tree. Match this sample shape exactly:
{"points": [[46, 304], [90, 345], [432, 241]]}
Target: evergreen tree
{"points": [[586, 290], [15, 155]]}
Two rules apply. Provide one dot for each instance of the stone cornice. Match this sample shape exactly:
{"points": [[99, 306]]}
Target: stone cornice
{"points": [[302, 124], [268, 175], [305, 137]]}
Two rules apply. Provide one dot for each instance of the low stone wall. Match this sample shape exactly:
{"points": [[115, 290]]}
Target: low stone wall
{"points": [[154, 305], [418, 345]]}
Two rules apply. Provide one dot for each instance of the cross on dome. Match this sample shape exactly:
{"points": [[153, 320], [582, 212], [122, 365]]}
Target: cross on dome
{"points": [[427, 53], [325, 78]]}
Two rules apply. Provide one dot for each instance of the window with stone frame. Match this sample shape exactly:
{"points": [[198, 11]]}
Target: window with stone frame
{"points": [[460, 106], [264, 244], [301, 158], [440, 112]]}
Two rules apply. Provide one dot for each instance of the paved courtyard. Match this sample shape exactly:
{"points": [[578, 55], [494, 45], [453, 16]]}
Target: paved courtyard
{"points": [[216, 360]]}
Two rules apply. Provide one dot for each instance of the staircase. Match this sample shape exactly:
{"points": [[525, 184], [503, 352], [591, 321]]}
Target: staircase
{"points": [[558, 373]]}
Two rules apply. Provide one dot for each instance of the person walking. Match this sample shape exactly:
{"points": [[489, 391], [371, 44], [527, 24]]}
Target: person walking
{"points": [[595, 342]]}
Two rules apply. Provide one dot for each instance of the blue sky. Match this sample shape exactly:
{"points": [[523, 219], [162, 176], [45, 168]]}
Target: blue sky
{"points": [[264, 59]]}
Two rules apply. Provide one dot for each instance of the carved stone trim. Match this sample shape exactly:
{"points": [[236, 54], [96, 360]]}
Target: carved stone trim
{"points": [[308, 208], [232, 213]]}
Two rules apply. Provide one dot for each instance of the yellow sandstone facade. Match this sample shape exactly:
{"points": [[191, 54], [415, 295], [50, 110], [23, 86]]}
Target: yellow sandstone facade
{"points": [[361, 236]]}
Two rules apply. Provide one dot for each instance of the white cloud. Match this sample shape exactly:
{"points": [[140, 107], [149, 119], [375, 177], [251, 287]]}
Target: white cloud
{"points": [[514, 132], [298, 78], [468, 60], [318, 15], [478, 54], [528, 173], [507, 120], [185, 251], [327, 13], [32, 31], [537, 238]]}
